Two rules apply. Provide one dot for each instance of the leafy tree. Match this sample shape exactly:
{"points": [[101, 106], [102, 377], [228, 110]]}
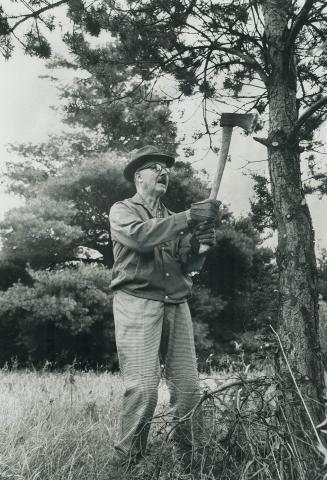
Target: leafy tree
{"points": [[35, 163], [103, 101], [257, 54], [40, 233], [65, 314], [121, 128], [99, 123], [242, 275]]}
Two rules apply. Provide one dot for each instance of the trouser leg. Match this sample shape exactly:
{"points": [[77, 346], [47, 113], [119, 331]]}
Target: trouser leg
{"points": [[181, 370], [138, 325]]}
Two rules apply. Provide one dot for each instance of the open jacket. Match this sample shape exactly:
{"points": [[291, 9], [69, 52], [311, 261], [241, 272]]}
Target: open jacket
{"points": [[152, 256]]}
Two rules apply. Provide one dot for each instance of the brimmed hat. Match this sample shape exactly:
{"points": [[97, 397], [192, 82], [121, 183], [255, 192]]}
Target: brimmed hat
{"points": [[142, 156]]}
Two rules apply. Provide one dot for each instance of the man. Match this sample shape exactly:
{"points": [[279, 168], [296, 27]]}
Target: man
{"points": [[154, 252]]}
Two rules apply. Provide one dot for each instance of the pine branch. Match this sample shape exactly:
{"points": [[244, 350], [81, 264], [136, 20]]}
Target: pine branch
{"points": [[248, 60], [298, 24], [37, 13], [305, 116]]}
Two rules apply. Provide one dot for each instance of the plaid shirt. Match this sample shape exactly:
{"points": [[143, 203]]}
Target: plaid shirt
{"points": [[152, 256]]}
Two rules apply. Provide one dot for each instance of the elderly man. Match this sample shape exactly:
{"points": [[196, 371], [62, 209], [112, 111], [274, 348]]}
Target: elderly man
{"points": [[154, 253]]}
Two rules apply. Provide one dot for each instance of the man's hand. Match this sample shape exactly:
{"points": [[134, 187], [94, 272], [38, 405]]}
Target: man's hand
{"points": [[207, 210], [203, 233]]}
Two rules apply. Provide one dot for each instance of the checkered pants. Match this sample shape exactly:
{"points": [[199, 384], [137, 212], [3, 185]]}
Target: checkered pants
{"points": [[145, 328]]}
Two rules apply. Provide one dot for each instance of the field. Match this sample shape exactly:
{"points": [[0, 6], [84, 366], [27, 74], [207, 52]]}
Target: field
{"points": [[58, 426], [62, 426]]}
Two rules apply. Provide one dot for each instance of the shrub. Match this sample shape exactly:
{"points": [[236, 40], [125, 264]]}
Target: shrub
{"points": [[65, 314]]}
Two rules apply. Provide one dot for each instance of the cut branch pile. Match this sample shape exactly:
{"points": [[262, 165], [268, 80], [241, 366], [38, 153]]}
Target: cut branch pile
{"points": [[251, 431]]}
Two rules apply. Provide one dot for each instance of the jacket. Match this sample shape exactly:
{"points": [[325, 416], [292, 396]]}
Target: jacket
{"points": [[152, 256]]}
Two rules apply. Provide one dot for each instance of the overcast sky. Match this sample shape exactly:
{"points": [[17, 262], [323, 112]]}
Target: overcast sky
{"points": [[26, 116]]}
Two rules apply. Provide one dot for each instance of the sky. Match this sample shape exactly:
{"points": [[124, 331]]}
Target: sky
{"points": [[26, 116]]}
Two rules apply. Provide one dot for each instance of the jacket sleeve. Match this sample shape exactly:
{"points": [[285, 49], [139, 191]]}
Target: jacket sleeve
{"points": [[191, 262], [142, 236]]}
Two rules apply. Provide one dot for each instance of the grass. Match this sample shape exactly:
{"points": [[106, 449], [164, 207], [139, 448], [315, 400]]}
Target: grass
{"points": [[58, 426], [63, 426]]}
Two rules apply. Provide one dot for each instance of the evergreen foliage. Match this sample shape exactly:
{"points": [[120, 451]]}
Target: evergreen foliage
{"points": [[262, 205], [41, 233], [64, 315]]}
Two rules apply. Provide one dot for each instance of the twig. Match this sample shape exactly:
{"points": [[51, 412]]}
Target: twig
{"points": [[37, 13]]}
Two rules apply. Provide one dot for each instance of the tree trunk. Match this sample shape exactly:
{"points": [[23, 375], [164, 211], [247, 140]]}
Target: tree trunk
{"points": [[298, 325]]}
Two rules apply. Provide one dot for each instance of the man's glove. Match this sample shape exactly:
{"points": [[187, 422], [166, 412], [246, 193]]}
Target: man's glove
{"points": [[207, 210], [203, 233]]}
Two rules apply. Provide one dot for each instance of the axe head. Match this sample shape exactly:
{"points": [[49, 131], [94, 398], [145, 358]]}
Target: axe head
{"points": [[247, 121]]}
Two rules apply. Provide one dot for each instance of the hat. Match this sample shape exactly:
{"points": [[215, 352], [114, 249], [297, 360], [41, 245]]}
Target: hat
{"points": [[142, 156]]}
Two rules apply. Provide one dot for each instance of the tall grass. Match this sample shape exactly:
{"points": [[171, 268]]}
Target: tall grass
{"points": [[63, 426], [58, 426]]}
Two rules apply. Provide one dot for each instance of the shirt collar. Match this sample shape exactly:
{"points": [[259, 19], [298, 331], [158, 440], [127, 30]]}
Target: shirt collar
{"points": [[139, 200]]}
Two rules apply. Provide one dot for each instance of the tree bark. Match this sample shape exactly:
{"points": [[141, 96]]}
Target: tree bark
{"points": [[298, 323]]}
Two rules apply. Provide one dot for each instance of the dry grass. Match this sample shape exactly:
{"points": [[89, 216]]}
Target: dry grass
{"points": [[58, 426], [62, 426]]}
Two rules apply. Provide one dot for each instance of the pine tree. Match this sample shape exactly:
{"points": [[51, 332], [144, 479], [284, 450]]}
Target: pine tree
{"points": [[252, 54]]}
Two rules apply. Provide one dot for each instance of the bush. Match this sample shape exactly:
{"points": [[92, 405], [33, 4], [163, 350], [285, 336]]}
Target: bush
{"points": [[65, 315]]}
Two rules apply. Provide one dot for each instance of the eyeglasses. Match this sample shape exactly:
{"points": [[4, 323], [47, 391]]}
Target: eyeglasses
{"points": [[157, 168]]}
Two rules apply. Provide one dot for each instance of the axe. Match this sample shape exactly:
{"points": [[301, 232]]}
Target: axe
{"points": [[228, 121]]}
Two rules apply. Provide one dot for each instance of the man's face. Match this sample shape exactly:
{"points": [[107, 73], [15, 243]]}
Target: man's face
{"points": [[155, 177]]}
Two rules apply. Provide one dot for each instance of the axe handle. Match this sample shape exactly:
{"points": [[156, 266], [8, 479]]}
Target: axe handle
{"points": [[223, 154]]}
